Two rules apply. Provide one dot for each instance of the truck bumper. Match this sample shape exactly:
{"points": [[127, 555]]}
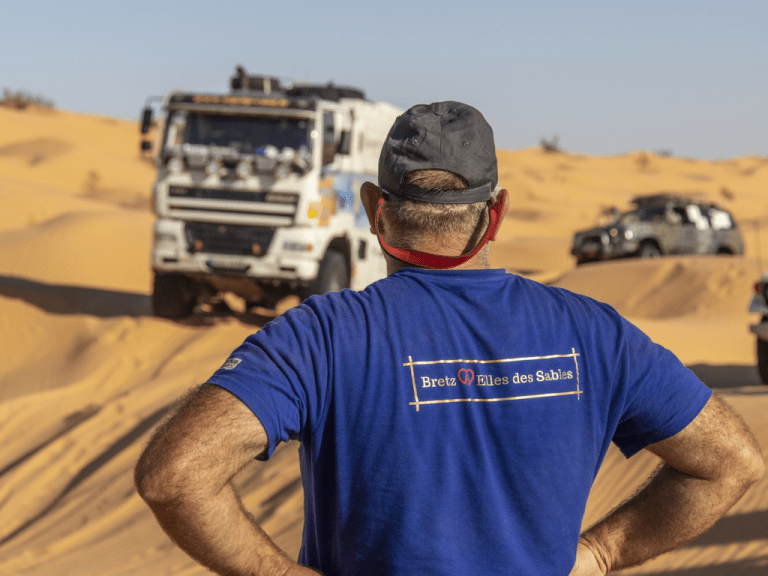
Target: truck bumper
{"points": [[292, 257], [277, 268]]}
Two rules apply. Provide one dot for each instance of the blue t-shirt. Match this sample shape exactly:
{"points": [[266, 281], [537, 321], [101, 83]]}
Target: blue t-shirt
{"points": [[452, 422]]}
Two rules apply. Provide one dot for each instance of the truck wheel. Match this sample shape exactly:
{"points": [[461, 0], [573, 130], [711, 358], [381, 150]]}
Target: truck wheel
{"points": [[762, 360], [649, 250], [332, 276], [173, 296]]}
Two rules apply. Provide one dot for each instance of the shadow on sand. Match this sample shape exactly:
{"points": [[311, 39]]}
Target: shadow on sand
{"points": [[736, 528], [211, 316], [64, 299], [67, 299], [745, 567]]}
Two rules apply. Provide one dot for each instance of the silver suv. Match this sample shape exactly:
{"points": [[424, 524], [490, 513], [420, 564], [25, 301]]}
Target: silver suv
{"points": [[759, 305], [659, 225]]}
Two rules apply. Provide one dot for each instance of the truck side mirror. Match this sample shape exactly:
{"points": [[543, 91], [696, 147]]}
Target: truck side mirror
{"points": [[146, 120], [345, 140]]}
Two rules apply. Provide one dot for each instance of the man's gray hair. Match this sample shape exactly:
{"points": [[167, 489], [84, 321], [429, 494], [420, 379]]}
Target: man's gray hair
{"points": [[415, 222]]}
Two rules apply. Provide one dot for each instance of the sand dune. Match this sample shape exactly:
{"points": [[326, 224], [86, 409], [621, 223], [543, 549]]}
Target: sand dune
{"points": [[86, 373]]}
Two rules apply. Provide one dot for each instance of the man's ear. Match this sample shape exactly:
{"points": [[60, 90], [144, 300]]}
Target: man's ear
{"points": [[502, 201], [369, 195]]}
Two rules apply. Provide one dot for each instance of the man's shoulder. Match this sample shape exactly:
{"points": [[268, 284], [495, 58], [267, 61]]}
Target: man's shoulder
{"points": [[573, 299], [426, 289]]}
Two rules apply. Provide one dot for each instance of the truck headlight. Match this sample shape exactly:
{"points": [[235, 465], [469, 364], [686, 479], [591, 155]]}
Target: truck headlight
{"points": [[161, 237], [271, 152], [175, 165], [628, 234], [244, 169], [297, 246], [215, 168], [282, 171], [287, 154]]}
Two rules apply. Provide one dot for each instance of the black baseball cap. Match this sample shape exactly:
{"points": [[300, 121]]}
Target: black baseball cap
{"points": [[440, 136]]}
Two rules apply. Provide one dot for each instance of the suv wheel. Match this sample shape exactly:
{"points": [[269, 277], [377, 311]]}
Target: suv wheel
{"points": [[173, 296], [762, 360], [649, 250], [332, 276]]}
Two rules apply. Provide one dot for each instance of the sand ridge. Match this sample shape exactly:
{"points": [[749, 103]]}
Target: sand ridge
{"points": [[86, 373]]}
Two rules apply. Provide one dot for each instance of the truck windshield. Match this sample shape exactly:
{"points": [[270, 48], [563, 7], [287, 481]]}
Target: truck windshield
{"points": [[244, 134]]}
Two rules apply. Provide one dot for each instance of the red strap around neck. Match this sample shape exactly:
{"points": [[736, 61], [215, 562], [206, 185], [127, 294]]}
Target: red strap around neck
{"points": [[434, 261]]}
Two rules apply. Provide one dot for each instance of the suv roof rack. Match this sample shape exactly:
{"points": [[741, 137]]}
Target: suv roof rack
{"points": [[660, 198]]}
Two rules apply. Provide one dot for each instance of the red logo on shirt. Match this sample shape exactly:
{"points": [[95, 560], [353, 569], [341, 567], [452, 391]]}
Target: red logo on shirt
{"points": [[466, 376]]}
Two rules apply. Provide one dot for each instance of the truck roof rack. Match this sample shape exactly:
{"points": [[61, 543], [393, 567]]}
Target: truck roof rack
{"points": [[254, 83], [326, 92], [241, 80]]}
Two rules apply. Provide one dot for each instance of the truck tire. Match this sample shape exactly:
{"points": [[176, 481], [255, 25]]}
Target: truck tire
{"points": [[332, 276], [173, 296], [762, 360], [648, 250]]}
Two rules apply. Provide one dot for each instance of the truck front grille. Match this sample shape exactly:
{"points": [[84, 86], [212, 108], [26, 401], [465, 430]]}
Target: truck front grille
{"points": [[228, 239], [264, 208]]}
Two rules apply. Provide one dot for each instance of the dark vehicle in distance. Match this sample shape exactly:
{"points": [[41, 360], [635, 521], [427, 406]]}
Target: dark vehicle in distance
{"points": [[759, 305], [660, 225]]}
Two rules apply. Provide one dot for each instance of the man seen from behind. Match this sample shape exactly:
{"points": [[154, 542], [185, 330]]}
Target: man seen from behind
{"points": [[452, 417]]}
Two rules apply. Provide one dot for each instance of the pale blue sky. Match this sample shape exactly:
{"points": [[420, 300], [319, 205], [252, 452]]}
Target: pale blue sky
{"points": [[608, 77]]}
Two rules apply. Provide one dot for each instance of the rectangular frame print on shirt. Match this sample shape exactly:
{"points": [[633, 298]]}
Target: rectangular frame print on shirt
{"points": [[435, 382]]}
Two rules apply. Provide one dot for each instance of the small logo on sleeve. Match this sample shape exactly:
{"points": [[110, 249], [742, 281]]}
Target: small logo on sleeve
{"points": [[231, 363]]}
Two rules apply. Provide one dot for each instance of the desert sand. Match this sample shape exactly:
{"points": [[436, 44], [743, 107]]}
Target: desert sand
{"points": [[86, 373]]}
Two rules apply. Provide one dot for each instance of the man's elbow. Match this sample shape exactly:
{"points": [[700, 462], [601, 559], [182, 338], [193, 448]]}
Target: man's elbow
{"points": [[741, 467], [752, 465], [736, 455], [156, 481]]}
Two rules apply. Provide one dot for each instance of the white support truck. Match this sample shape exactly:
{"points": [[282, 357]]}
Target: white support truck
{"points": [[257, 192]]}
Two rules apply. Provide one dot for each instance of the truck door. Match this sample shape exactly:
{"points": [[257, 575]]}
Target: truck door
{"points": [[337, 162], [337, 125]]}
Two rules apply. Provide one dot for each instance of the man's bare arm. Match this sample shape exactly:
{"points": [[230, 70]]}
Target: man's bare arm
{"points": [[707, 467], [185, 476]]}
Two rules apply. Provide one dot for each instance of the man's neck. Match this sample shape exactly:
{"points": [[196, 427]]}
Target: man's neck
{"points": [[478, 262]]}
